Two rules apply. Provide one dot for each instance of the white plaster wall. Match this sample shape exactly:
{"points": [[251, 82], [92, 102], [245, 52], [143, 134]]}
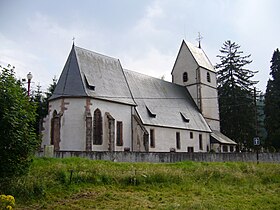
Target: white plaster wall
{"points": [[72, 131], [165, 138], [203, 77], [210, 107], [120, 112], [46, 132], [185, 63], [46, 139]]}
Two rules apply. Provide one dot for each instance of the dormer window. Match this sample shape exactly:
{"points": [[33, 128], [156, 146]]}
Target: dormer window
{"points": [[185, 77], [208, 77], [151, 113], [185, 117], [89, 86]]}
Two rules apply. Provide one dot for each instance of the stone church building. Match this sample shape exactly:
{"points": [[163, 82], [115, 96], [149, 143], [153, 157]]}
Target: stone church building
{"points": [[98, 105]]}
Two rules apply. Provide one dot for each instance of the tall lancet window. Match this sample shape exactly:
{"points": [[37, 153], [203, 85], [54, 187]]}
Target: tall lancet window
{"points": [[97, 127], [208, 77], [185, 77]]}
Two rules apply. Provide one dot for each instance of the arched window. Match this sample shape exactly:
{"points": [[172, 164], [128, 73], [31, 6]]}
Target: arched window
{"points": [[97, 127], [185, 77], [55, 130], [208, 77]]}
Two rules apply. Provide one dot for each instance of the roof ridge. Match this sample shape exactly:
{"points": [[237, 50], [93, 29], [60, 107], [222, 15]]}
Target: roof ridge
{"points": [[99, 54], [128, 70]]}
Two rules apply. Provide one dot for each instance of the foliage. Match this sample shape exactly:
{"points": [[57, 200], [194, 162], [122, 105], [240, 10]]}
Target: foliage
{"points": [[17, 116], [113, 185], [41, 101], [235, 91], [272, 103], [7, 202]]}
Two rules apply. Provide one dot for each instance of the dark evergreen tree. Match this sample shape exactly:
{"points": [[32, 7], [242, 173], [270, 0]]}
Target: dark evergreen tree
{"points": [[41, 109], [272, 103], [260, 118], [236, 95], [51, 88], [41, 101]]}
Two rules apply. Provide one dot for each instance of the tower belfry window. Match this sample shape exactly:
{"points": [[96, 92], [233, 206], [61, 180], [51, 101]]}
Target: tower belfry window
{"points": [[208, 77], [185, 77]]}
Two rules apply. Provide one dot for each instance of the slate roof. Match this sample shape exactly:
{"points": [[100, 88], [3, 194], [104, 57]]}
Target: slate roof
{"points": [[162, 103], [87, 73], [200, 57]]}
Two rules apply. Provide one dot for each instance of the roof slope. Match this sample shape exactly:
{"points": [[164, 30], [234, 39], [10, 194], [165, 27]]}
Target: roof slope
{"points": [[70, 82], [221, 138], [87, 73], [161, 103], [198, 55]]}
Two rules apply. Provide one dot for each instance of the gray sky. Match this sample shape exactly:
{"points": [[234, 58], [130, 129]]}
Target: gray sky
{"points": [[36, 35]]}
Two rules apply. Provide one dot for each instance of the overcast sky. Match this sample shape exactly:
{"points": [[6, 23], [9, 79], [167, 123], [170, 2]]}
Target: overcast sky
{"points": [[36, 35]]}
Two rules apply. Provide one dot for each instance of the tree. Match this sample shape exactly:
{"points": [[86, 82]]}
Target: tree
{"points": [[235, 92], [41, 101], [272, 103], [18, 140]]}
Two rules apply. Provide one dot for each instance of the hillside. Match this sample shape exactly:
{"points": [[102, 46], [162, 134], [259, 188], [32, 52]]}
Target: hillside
{"points": [[76, 183]]}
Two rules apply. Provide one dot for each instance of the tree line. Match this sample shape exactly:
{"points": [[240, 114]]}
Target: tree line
{"points": [[243, 114]]}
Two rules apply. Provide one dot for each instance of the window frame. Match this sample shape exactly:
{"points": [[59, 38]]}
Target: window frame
{"points": [[119, 140], [185, 77], [208, 77], [97, 127], [152, 138], [178, 140], [200, 141]]}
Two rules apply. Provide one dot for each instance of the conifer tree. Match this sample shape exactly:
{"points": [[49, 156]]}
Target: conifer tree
{"points": [[235, 92], [272, 103]]}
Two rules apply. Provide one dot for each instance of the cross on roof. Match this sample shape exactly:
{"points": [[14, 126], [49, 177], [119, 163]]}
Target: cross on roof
{"points": [[199, 38], [73, 39]]}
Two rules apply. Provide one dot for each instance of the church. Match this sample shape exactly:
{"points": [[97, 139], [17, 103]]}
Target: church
{"points": [[98, 105]]}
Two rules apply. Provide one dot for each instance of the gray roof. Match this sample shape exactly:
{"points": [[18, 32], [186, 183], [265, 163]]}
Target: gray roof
{"points": [[221, 138], [87, 73], [200, 57], [161, 103]]}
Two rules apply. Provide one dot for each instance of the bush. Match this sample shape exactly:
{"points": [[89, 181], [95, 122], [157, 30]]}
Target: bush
{"points": [[17, 117], [7, 202]]}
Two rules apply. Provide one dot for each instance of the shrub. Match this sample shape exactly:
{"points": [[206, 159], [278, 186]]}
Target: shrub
{"points": [[7, 202], [17, 116]]}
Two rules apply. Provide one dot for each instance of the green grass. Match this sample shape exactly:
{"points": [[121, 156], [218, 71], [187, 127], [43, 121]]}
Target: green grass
{"points": [[109, 185]]}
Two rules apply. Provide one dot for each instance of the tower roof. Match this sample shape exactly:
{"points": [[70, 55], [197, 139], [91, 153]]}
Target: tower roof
{"points": [[198, 55], [87, 73]]}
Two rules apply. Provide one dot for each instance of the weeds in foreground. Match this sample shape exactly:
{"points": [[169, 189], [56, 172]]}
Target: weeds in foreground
{"points": [[187, 183]]}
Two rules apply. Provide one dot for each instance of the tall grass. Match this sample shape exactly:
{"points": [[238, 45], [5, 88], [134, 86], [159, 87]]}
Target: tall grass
{"points": [[52, 179]]}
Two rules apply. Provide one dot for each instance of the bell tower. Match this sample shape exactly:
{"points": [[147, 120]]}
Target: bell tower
{"points": [[193, 70]]}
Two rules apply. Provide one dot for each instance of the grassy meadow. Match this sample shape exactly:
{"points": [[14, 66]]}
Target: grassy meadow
{"points": [[77, 183]]}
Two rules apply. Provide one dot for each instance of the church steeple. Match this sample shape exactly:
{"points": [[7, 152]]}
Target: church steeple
{"points": [[193, 70]]}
